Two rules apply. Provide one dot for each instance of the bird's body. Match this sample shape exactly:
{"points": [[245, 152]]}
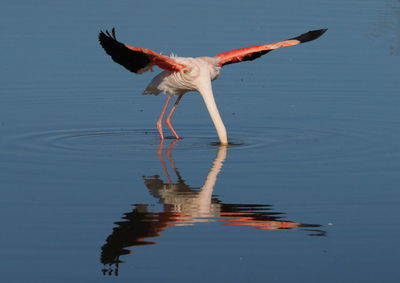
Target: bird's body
{"points": [[190, 79], [183, 74]]}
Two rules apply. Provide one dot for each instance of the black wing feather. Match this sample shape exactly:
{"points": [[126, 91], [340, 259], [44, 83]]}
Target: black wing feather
{"points": [[130, 59], [308, 36], [311, 35], [305, 37]]}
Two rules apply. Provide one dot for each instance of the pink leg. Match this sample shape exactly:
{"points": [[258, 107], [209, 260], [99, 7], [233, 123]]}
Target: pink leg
{"points": [[168, 120], [159, 122]]}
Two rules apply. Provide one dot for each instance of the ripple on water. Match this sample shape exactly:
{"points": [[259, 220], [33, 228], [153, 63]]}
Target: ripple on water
{"points": [[297, 144], [110, 139]]}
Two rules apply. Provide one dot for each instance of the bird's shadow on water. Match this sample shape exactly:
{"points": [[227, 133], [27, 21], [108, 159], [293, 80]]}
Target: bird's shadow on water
{"points": [[185, 205]]}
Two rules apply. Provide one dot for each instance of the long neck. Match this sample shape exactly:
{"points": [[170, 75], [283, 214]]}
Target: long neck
{"points": [[208, 97]]}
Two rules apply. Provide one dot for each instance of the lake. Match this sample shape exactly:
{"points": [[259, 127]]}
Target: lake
{"points": [[308, 192]]}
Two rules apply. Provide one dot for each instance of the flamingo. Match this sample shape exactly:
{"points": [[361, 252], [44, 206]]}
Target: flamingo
{"points": [[183, 74]]}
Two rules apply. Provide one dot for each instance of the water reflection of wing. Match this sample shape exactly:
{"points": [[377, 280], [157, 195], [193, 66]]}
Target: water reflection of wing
{"points": [[136, 227], [262, 217], [186, 205]]}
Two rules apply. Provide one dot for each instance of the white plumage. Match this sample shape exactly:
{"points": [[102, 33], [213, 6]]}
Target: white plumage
{"points": [[188, 79]]}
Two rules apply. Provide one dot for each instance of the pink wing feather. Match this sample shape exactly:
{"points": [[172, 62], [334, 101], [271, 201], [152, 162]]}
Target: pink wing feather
{"points": [[135, 59], [253, 52]]}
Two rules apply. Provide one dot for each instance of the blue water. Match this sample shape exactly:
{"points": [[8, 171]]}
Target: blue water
{"points": [[308, 193]]}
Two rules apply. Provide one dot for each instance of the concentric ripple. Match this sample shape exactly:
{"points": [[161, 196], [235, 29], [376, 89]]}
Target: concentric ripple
{"points": [[112, 140], [280, 144]]}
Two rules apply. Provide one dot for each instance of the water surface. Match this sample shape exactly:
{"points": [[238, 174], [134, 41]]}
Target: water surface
{"points": [[308, 192]]}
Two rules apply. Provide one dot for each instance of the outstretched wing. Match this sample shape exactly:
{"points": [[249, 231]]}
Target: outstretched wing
{"points": [[254, 52], [135, 59]]}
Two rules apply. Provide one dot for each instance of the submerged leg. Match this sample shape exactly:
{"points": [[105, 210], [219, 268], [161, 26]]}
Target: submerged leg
{"points": [[168, 120], [159, 122]]}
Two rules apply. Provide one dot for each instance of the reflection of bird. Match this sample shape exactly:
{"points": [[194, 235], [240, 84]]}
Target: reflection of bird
{"points": [[181, 74], [184, 205]]}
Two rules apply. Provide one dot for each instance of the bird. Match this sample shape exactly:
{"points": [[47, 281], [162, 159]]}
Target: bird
{"points": [[183, 74]]}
